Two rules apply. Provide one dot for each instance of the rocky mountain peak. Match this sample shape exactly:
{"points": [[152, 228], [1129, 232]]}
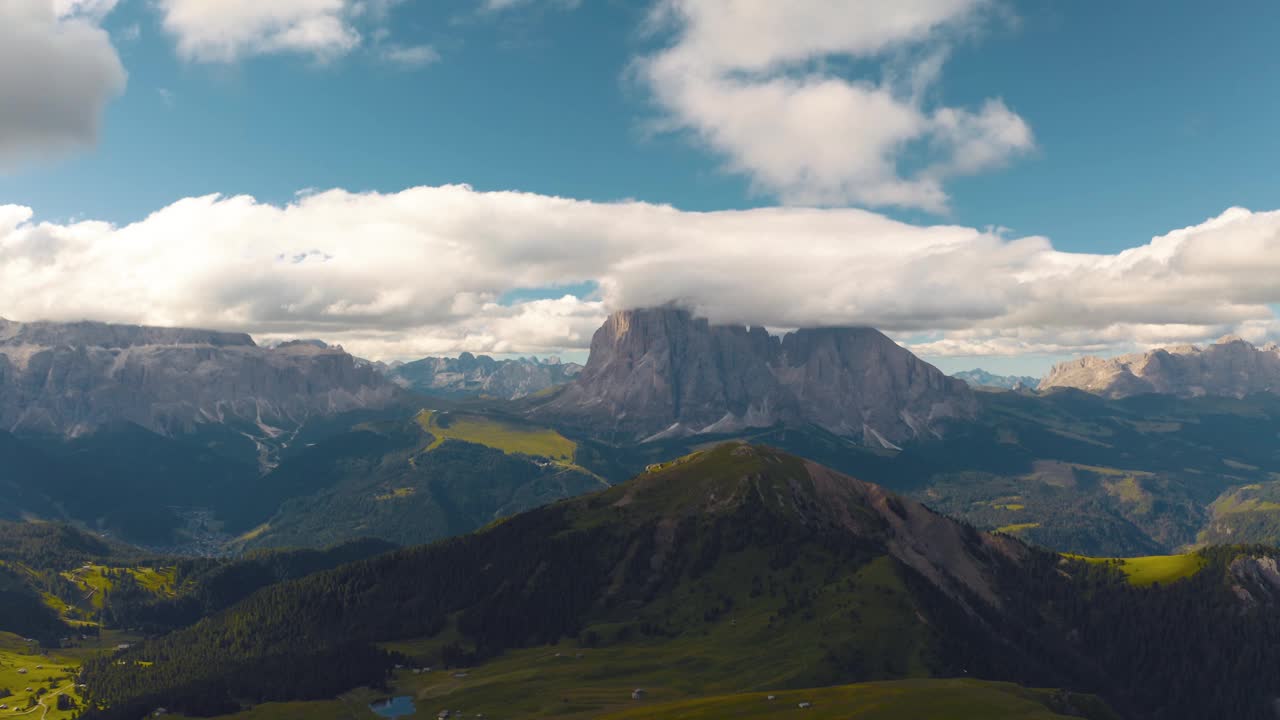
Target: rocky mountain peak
{"points": [[662, 372]]}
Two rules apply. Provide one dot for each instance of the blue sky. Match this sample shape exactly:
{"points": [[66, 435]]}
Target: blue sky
{"points": [[1142, 118]]}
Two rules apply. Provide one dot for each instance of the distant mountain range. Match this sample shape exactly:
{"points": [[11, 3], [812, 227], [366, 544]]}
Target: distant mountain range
{"points": [[1230, 367], [204, 442], [659, 373], [72, 378], [981, 378], [481, 376]]}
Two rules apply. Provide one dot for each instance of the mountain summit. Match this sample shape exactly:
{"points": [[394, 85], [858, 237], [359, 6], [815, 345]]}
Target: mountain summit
{"points": [[1230, 367], [660, 372]]}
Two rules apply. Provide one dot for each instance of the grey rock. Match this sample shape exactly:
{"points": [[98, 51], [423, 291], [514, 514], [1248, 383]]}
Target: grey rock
{"points": [[481, 375], [661, 372], [1230, 367], [70, 378]]}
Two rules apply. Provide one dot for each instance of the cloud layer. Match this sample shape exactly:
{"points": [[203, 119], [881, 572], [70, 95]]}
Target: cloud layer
{"points": [[753, 81], [60, 107], [422, 271], [226, 30]]}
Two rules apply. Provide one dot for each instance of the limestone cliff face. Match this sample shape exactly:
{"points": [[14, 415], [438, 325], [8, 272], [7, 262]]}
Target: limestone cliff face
{"points": [[69, 378], [1229, 367], [661, 372]]}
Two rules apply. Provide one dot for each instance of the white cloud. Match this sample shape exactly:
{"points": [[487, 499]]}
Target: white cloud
{"points": [[96, 9], [422, 271], [751, 79], [227, 30], [501, 5], [60, 107], [409, 56]]}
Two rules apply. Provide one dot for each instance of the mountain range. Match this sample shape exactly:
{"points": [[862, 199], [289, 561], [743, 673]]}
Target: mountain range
{"points": [[1230, 367], [71, 378], [690, 493], [480, 375], [662, 372], [980, 378], [301, 444]]}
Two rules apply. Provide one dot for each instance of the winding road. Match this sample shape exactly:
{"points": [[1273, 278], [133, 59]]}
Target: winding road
{"points": [[41, 704]]}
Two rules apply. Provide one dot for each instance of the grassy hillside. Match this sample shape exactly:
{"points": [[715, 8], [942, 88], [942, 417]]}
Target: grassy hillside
{"points": [[31, 682], [98, 582], [405, 484], [58, 583], [497, 434], [737, 570], [1246, 513]]}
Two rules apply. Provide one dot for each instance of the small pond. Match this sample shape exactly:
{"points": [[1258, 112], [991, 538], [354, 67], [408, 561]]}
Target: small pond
{"points": [[395, 707]]}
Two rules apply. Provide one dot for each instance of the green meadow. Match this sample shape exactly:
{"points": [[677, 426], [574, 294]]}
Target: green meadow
{"points": [[34, 680], [504, 436], [1145, 571]]}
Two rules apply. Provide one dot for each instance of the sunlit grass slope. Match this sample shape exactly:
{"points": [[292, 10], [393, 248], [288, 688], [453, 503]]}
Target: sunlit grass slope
{"points": [[1144, 571], [507, 437]]}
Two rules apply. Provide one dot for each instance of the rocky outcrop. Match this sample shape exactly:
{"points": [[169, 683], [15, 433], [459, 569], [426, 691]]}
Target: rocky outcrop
{"points": [[657, 373], [70, 378], [1230, 367], [1255, 579], [481, 375]]}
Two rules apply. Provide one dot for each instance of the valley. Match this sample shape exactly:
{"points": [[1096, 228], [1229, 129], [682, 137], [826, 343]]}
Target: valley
{"points": [[687, 579]]}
